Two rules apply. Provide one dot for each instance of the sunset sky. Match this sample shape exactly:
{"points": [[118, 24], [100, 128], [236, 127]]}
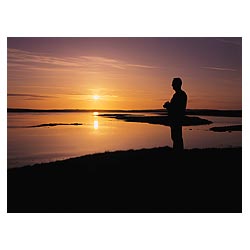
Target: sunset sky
{"points": [[123, 73]]}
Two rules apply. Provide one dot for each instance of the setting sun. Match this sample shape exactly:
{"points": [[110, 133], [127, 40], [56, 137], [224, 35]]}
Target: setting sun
{"points": [[120, 74], [96, 97]]}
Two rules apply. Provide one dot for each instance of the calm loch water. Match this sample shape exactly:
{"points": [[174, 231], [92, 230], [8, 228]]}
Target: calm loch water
{"points": [[29, 145]]}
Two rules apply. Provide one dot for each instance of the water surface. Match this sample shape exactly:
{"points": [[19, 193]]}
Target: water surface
{"points": [[29, 145]]}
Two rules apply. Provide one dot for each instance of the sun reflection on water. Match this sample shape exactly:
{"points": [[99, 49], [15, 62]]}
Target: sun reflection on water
{"points": [[96, 124]]}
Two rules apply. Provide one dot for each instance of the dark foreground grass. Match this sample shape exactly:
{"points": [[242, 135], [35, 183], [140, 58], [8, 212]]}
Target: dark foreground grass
{"points": [[147, 180]]}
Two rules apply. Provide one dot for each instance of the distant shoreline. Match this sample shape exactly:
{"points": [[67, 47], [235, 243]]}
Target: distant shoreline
{"points": [[206, 112]]}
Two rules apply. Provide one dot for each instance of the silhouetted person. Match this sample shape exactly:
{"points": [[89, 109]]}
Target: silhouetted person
{"points": [[176, 111]]}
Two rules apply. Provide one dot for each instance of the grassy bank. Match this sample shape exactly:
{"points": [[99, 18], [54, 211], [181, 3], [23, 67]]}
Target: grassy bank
{"points": [[147, 180]]}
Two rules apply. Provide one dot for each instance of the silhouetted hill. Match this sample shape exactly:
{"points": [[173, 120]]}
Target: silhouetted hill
{"points": [[147, 180]]}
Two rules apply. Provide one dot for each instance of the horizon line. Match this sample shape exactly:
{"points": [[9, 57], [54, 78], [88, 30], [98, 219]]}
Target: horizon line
{"points": [[152, 109]]}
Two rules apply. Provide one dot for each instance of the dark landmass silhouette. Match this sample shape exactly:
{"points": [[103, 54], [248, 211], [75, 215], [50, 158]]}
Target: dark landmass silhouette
{"points": [[146, 180], [54, 124], [207, 112], [213, 112], [227, 128], [161, 120], [48, 125]]}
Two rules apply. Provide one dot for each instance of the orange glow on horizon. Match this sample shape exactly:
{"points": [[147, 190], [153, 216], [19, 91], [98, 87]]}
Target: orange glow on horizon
{"points": [[129, 76]]}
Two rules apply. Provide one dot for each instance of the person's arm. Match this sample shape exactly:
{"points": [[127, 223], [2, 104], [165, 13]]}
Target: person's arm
{"points": [[166, 105]]}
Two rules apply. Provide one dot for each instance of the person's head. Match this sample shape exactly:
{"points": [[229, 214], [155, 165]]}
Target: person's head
{"points": [[176, 83]]}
